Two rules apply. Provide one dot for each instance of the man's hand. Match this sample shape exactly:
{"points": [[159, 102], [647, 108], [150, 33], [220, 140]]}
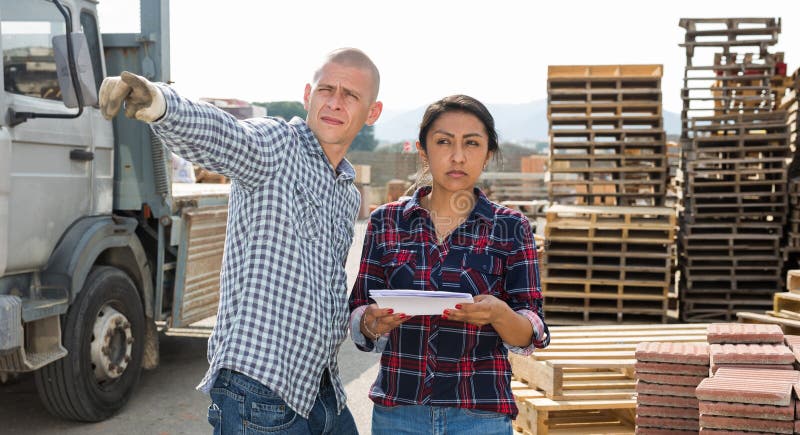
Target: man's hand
{"points": [[378, 321], [143, 100], [484, 311]]}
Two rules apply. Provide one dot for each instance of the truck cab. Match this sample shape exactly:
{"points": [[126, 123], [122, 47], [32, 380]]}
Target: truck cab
{"points": [[97, 245]]}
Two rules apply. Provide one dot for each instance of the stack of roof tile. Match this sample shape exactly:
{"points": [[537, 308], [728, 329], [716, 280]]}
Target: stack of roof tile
{"points": [[753, 380], [748, 345], [666, 377], [756, 400]]}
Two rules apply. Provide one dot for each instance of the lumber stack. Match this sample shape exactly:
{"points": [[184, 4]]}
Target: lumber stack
{"points": [[584, 382], [734, 150], [607, 264]]}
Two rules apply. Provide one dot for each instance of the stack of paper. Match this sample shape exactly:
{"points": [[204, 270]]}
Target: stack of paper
{"points": [[418, 302]]}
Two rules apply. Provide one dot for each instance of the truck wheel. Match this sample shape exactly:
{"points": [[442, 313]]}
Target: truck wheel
{"points": [[104, 336]]}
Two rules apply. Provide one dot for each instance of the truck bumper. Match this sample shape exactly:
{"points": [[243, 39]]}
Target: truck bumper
{"points": [[14, 357]]}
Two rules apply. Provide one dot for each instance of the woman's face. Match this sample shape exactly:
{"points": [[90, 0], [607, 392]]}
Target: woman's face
{"points": [[458, 148]]}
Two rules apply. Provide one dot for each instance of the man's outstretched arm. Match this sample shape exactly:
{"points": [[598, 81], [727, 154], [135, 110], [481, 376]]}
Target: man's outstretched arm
{"points": [[248, 151]]}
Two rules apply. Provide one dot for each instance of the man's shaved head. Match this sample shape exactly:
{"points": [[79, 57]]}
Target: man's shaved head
{"points": [[354, 58]]}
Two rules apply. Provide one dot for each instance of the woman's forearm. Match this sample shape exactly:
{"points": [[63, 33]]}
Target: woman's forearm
{"points": [[514, 329]]}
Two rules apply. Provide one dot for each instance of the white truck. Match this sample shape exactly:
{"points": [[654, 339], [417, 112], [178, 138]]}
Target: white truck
{"points": [[97, 245]]}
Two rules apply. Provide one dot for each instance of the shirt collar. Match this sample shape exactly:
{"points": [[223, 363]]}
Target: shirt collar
{"points": [[483, 207], [345, 170]]}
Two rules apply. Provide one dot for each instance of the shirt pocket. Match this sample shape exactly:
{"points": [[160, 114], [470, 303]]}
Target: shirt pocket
{"points": [[308, 221], [481, 273], [399, 268]]}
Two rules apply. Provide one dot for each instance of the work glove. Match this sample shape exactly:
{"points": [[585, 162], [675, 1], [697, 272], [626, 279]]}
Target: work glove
{"points": [[143, 100]]}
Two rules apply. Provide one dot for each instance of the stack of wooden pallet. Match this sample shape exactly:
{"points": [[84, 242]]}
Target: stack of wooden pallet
{"points": [[785, 307], [607, 140], [609, 238], [734, 150], [789, 103], [607, 264], [584, 382]]}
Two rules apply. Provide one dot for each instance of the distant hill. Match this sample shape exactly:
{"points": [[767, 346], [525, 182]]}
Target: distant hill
{"points": [[515, 123]]}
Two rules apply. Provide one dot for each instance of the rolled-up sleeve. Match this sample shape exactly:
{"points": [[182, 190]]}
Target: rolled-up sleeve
{"points": [[522, 289]]}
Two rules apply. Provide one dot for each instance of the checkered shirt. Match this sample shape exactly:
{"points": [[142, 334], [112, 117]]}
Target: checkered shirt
{"points": [[429, 360], [283, 288]]}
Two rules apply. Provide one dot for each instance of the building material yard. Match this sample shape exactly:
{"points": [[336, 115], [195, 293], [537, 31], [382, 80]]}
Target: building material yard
{"points": [[669, 265]]}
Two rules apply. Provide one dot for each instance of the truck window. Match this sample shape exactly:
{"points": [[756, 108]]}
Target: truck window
{"points": [[27, 29], [89, 28]]}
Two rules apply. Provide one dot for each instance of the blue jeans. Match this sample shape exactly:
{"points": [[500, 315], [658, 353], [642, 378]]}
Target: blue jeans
{"points": [[241, 405], [437, 420]]}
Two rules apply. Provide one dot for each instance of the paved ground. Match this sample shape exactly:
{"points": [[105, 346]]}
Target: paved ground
{"points": [[165, 401]]}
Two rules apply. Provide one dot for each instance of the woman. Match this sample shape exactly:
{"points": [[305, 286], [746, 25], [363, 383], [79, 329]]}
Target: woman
{"points": [[449, 373]]}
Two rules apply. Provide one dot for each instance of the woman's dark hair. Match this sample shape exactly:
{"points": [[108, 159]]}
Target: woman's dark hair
{"points": [[458, 103]]}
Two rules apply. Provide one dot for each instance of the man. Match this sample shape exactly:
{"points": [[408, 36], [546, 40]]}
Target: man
{"points": [[283, 296]]}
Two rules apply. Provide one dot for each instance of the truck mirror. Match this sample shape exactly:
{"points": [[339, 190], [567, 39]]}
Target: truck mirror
{"points": [[83, 64]]}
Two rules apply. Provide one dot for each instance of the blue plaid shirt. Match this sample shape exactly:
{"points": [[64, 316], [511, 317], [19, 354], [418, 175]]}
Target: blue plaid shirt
{"points": [[283, 310]]}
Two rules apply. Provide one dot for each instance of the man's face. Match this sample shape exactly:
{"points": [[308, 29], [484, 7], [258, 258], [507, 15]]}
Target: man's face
{"points": [[340, 103]]}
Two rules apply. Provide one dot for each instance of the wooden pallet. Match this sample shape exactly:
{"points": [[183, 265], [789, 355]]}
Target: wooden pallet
{"points": [[584, 382], [594, 362]]}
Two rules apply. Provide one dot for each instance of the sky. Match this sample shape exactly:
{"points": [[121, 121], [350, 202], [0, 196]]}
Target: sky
{"points": [[497, 51]]}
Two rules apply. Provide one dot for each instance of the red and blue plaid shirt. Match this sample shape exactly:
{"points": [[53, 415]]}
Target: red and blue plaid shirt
{"points": [[437, 362]]}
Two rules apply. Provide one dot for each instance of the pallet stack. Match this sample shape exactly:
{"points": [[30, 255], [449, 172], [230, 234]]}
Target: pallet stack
{"points": [[610, 247], [789, 103], [734, 150], [607, 139], [584, 382], [608, 264]]}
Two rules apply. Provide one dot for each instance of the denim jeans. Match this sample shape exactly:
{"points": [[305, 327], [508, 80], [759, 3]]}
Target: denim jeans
{"points": [[241, 405], [437, 420]]}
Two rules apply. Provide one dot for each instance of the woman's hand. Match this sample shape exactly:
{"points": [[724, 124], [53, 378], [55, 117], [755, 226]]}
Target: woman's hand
{"points": [[378, 321], [514, 329], [484, 311]]}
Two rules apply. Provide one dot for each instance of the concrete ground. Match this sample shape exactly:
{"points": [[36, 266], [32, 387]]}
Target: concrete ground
{"points": [[165, 402]]}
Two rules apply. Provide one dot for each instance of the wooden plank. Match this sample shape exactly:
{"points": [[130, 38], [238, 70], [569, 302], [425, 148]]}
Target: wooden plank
{"points": [[793, 280]]}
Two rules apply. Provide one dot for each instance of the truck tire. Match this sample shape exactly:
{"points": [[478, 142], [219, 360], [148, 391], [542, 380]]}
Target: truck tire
{"points": [[103, 332]]}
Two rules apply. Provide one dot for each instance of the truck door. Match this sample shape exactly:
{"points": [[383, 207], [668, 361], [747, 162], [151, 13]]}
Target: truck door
{"points": [[52, 162]]}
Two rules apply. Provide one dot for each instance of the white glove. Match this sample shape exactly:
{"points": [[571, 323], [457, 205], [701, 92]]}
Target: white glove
{"points": [[143, 100]]}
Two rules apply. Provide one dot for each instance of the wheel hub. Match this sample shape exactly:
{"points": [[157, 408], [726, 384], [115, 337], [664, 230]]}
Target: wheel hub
{"points": [[112, 341]]}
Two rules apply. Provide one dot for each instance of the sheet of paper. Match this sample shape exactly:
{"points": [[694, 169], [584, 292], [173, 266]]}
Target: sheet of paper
{"points": [[418, 302]]}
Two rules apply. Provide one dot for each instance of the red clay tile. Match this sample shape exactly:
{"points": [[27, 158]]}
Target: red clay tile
{"points": [[796, 404], [720, 333], [708, 431], [676, 353], [728, 409], [660, 431], [665, 390], [751, 354], [747, 424], [668, 423], [756, 391], [674, 401], [742, 372], [661, 378], [793, 341], [668, 411], [782, 367], [671, 369]]}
